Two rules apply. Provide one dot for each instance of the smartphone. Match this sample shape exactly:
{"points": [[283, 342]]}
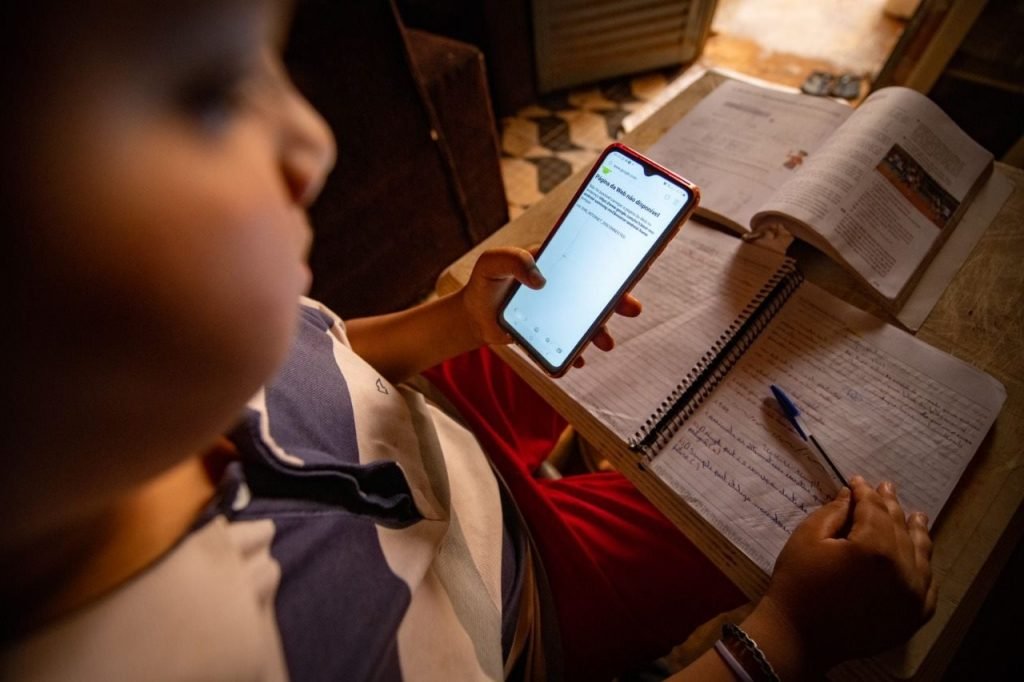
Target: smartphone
{"points": [[620, 219]]}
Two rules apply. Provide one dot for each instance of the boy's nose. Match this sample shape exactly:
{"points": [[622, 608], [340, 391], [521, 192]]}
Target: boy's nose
{"points": [[309, 150]]}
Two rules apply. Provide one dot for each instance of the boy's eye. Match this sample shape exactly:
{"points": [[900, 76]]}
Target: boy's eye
{"points": [[212, 102]]}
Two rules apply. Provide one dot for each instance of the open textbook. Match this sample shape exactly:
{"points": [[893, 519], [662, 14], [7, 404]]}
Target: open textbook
{"points": [[688, 389], [878, 188]]}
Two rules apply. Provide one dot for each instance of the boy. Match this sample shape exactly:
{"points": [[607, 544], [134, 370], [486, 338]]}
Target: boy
{"points": [[157, 172]]}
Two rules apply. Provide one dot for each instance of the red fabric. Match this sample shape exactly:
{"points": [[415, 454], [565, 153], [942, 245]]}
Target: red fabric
{"points": [[627, 584]]}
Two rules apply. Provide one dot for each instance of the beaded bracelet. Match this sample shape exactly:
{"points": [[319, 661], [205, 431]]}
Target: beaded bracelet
{"points": [[747, 651], [735, 666]]}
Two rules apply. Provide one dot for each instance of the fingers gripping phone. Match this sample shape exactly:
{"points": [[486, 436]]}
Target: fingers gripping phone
{"points": [[620, 219]]}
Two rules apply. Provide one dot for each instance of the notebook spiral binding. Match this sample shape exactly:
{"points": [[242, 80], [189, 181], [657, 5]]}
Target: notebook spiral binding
{"points": [[715, 364]]}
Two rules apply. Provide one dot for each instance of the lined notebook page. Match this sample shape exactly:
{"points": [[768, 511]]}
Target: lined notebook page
{"points": [[698, 287], [883, 404]]}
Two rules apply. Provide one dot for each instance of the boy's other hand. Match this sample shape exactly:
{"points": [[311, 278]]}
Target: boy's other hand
{"points": [[493, 275], [852, 594]]}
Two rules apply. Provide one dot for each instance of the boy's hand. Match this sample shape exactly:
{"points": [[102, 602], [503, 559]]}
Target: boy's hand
{"points": [[495, 272], [848, 595]]}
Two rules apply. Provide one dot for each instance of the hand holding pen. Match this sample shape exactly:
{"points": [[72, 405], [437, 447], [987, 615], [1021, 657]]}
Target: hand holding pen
{"points": [[829, 570]]}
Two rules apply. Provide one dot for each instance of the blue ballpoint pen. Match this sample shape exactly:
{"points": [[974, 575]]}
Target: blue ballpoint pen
{"points": [[793, 415]]}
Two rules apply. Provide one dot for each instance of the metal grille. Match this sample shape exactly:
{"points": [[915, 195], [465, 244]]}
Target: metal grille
{"points": [[579, 41]]}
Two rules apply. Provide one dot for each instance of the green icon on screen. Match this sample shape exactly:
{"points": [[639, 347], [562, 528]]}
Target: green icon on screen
{"points": [[606, 170]]}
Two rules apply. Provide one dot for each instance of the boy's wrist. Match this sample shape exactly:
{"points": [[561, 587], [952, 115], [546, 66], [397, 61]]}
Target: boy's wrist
{"points": [[784, 644], [477, 322], [462, 323]]}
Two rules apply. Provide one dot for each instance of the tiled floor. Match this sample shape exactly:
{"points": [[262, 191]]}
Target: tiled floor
{"points": [[778, 40], [545, 143]]}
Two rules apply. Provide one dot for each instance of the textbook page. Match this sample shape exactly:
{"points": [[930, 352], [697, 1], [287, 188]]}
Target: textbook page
{"points": [[883, 405], [886, 189], [741, 142], [700, 285]]}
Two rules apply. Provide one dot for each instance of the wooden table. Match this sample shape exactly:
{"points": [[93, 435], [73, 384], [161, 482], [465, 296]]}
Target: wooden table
{"points": [[980, 319]]}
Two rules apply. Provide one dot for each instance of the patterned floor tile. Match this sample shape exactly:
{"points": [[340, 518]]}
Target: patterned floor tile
{"points": [[619, 90], [532, 111], [592, 99], [519, 135], [521, 184], [546, 142], [581, 158], [648, 86], [554, 132], [551, 170], [587, 129], [613, 122]]}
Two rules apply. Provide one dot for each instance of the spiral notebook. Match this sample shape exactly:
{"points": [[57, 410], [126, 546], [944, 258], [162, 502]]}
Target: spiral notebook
{"points": [[687, 388]]}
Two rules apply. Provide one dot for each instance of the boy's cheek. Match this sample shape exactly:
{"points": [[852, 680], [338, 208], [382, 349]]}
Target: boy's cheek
{"points": [[188, 270], [214, 267]]}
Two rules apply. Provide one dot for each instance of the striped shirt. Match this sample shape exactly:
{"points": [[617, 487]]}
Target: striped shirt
{"points": [[362, 536]]}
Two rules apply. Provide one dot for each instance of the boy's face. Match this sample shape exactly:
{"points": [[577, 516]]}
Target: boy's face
{"points": [[162, 238]]}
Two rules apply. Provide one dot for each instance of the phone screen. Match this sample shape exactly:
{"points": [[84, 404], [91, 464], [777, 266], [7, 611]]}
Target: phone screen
{"points": [[625, 211]]}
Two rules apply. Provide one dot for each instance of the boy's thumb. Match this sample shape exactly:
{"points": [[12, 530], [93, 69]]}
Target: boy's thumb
{"points": [[505, 262]]}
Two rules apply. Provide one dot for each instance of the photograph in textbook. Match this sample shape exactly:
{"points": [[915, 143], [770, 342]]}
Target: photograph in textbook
{"points": [[920, 188]]}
